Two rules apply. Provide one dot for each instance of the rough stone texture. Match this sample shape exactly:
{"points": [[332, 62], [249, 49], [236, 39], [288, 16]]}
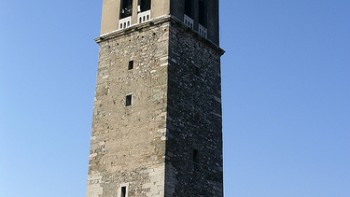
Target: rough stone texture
{"points": [[194, 117], [128, 142], [169, 141]]}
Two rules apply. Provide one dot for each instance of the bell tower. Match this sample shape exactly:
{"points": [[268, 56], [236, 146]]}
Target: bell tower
{"points": [[157, 124]]}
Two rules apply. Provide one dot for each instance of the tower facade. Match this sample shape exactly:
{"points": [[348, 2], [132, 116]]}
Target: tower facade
{"points": [[156, 127]]}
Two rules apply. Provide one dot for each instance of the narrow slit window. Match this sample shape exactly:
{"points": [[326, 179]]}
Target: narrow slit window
{"points": [[195, 155], [125, 8], [203, 13], [196, 71], [123, 191], [144, 5], [131, 65], [128, 100]]}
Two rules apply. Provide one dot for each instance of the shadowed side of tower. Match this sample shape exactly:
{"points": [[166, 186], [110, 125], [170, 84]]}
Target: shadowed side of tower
{"points": [[157, 112], [194, 138]]}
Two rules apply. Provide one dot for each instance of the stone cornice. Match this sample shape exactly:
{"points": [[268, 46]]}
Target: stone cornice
{"points": [[156, 22]]}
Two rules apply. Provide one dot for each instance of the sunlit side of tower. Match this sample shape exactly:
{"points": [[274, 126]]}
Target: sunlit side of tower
{"points": [[157, 112]]}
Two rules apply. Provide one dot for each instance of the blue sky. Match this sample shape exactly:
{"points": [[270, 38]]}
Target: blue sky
{"points": [[286, 93]]}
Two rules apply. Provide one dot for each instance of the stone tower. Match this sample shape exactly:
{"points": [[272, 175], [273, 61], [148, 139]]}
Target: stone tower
{"points": [[157, 111]]}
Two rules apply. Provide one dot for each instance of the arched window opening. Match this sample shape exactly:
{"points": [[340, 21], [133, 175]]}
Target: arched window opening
{"points": [[144, 5], [125, 8], [189, 8], [203, 13]]}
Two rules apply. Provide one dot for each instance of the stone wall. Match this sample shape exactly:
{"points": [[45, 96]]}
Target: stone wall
{"points": [[194, 145], [128, 142], [168, 142]]}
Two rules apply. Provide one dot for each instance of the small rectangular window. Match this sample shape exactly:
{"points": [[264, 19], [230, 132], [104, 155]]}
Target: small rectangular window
{"points": [[128, 100], [195, 155], [123, 191], [131, 65], [196, 71]]}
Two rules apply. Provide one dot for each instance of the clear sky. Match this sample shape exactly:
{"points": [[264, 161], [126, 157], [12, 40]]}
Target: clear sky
{"points": [[286, 96]]}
